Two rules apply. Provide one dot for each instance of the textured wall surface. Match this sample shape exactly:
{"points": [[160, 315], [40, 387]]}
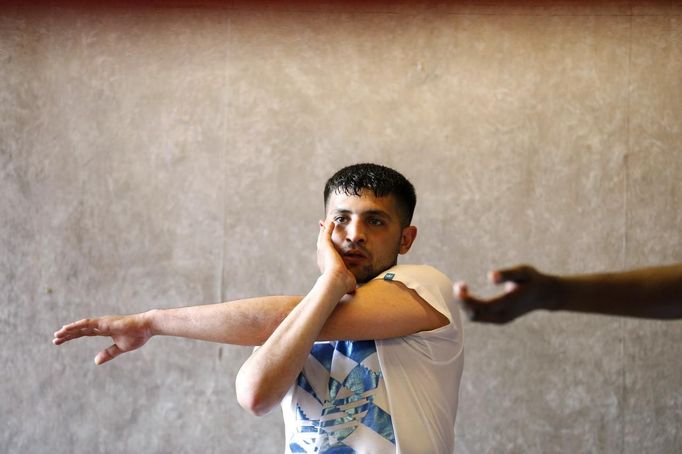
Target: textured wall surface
{"points": [[175, 155]]}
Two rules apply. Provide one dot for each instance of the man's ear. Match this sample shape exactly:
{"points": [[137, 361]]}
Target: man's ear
{"points": [[407, 237]]}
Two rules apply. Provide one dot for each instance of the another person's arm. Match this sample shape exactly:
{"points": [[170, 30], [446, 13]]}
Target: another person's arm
{"points": [[654, 293]]}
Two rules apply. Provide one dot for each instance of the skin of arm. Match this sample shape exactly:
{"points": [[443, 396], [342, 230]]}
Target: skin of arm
{"points": [[268, 374], [241, 322], [654, 293], [265, 377], [377, 310]]}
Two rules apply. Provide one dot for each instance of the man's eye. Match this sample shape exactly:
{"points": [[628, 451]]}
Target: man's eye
{"points": [[340, 219], [374, 221]]}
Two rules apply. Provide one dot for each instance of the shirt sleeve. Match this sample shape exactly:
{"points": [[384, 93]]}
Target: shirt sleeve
{"points": [[430, 284]]}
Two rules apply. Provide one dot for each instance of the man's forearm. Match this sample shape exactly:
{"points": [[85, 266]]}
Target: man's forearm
{"points": [[649, 292], [241, 322], [269, 372]]}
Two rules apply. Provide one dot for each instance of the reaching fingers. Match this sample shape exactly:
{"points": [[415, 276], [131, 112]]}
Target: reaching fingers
{"points": [[462, 293], [474, 308], [520, 274], [510, 286], [461, 290], [491, 310], [107, 354], [85, 327]]}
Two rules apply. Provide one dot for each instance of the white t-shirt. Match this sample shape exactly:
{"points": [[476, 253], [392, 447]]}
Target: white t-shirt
{"points": [[395, 395]]}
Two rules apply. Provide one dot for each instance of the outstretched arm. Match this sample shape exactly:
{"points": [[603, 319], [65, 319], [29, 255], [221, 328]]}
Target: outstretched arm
{"points": [[241, 322], [377, 310], [654, 293]]}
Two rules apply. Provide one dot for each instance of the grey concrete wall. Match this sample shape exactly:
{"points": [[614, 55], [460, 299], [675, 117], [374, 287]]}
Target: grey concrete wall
{"points": [[171, 156]]}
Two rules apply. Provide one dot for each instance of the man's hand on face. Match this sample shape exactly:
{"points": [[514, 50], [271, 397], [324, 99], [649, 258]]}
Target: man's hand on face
{"points": [[128, 332], [329, 260], [526, 289]]}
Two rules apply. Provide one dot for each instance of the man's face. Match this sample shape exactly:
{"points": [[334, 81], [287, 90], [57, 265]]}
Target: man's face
{"points": [[368, 234]]}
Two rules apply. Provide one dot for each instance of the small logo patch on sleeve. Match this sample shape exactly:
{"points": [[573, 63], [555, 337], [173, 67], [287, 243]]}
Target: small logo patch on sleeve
{"points": [[389, 276]]}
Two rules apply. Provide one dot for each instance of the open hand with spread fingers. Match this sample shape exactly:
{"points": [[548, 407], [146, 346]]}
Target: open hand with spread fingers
{"points": [[526, 289], [128, 332]]}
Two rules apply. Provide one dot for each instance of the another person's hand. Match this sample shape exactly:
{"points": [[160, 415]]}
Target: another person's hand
{"points": [[128, 332], [526, 289]]}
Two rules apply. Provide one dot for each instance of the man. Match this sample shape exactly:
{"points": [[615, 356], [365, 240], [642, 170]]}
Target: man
{"points": [[383, 376], [653, 293]]}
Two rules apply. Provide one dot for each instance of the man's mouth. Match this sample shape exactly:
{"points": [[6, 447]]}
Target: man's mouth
{"points": [[354, 255]]}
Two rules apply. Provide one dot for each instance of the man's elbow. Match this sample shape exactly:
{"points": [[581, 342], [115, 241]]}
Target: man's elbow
{"points": [[251, 404], [252, 397]]}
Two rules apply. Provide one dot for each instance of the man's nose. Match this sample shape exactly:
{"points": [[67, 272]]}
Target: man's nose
{"points": [[355, 232]]}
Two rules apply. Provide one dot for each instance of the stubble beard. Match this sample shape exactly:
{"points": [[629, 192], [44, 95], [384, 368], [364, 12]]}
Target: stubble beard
{"points": [[368, 272]]}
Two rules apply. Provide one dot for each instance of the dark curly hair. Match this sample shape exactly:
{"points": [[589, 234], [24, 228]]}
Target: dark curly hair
{"points": [[381, 180]]}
